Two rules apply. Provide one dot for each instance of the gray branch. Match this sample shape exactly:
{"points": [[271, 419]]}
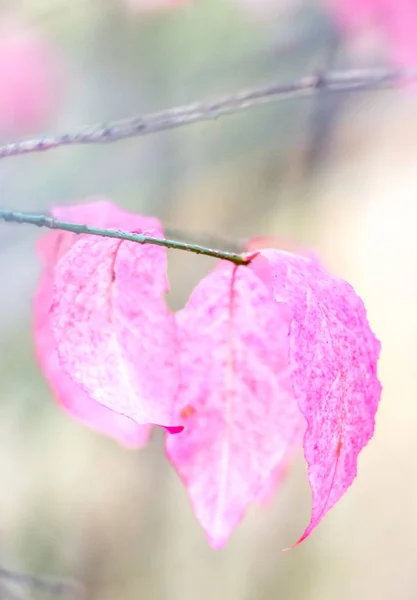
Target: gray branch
{"points": [[56, 586], [337, 82]]}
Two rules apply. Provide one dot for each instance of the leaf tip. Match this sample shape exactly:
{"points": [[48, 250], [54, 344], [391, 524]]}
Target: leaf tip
{"points": [[174, 430]]}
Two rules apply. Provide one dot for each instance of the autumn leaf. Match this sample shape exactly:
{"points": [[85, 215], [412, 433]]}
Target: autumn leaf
{"points": [[32, 78], [333, 356], [264, 359], [70, 395], [235, 399], [114, 333], [393, 22]]}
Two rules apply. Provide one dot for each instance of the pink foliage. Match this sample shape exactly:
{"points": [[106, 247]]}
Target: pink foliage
{"points": [[333, 358], [30, 80], [69, 394], [394, 20], [235, 396], [262, 360], [115, 335]]}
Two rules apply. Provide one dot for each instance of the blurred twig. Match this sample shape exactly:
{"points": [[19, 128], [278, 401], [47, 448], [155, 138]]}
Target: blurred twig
{"points": [[44, 221], [7, 594], [56, 586], [324, 109], [340, 82]]}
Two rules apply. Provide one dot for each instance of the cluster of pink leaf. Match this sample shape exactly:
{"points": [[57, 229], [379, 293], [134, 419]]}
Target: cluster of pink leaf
{"points": [[394, 20], [263, 359], [29, 79]]}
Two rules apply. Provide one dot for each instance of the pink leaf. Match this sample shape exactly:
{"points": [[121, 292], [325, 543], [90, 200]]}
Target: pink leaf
{"points": [[333, 354], [235, 397], [395, 22], [30, 79], [115, 335], [69, 394]]}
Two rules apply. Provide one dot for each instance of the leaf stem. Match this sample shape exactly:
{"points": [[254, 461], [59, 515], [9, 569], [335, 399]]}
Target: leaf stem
{"points": [[9, 216]]}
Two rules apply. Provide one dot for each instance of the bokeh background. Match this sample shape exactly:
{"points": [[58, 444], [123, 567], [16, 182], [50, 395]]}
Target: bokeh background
{"points": [[334, 173]]}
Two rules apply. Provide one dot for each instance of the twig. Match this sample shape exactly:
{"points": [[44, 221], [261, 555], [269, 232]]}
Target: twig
{"points": [[50, 223], [7, 594], [349, 81], [52, 585]]}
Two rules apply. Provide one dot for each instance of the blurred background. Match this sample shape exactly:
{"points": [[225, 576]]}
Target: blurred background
{"points": [[333, 173]]}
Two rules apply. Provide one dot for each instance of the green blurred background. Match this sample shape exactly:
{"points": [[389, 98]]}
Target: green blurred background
{"points": [[337, 174]]}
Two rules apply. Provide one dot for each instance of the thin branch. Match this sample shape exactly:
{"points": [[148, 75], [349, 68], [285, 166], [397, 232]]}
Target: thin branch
{"points": [[207, 239], [52, 585], [349, 81], [50, 223], [8, 594]]}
